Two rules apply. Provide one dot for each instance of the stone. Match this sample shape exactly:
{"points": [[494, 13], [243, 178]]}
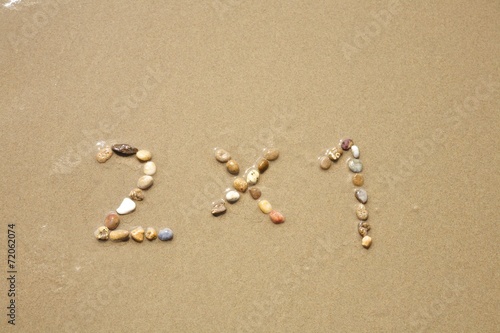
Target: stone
{"points": [[233, 167], [252, 176], [358, 179], [361, 212], [334, 154], [361, 195], [262, 165], [124, 149], [265, 206], [137, 234], [165, 234], [218, 207], [346, 144], [271, 154], [355, 165], [145, 182], [325, 163], [276, 217], [127, 206], [355, 151], [366, 242], [112, 221], [143, 155], [149, 168], [232, 196], [136, 194], [151, 234], [222, 155], [102, 233], [104, 154], [240, 184], [119, 235], [255, 193], [363, 228]]}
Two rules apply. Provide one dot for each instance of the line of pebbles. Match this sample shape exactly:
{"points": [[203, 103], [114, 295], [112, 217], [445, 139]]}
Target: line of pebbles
{"points": [[247, 182], [112, 221], [356, 166]]}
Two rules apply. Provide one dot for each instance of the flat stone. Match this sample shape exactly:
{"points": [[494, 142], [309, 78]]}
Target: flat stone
{"points": [[265, 206], [358, 179], [355, 165], [252, 176], [119, 235], [355, 151], [255, 193], [222, 155], [151, 234], [112, 221], [149, 168], [262, 165], [334, 154], [240, 184], [271, 154], [233, 167], [218, 208], [127, 206], [232, 196], [325, 163], [276, 217], [136, 194], [361, 195], [143, 155], [145, 182], [104, 154], [102, 233], [124, 149], [361, 212], [137, 234], [366, 242], [165, 234], [346, 144]]}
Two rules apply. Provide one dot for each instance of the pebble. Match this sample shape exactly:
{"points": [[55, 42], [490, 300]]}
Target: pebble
{"points": [[355, 151], [104, 154], [276, 217], [112, 221], [136, 194], [233, 167], [143, 155], [145, 182], [334, 154], [240, 185], [137, 234], [232, 196], [361, 212], [265, 206], [127, 206], [124, 149], [119, 235], [102, 233], [165, 234], [262, 165], [253, 177], [255, 192], [361, 195], [222, 155], [363, 228], [151, 233], [149, 168], [325, 163], [366, 242], [355, 165], [271, 154], [346, 144], [218, 208], [358, 179]]}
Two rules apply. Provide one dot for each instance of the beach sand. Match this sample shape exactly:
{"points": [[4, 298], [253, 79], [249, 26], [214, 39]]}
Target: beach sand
{"points": [[415, 85]]}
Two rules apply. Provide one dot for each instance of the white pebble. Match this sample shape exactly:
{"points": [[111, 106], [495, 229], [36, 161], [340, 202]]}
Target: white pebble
{"points": [[253, 177], [232, 196], [127, 206], [149, 168], [145, 182], [355, 151]]}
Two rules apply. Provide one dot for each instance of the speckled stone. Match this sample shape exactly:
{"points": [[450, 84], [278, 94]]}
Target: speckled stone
{"points": [[218, 207], [276, 217], [355, 165], [252, 176], [119, 235], [346, 144], [137, 234], [262, 165], [165, 234], [222, 155], [255, 193], [104, 154], [136, 194], [361, 212], [102, 233], [361, 195], [358, 179], [334, 154], [233, 167], [151, 233], [363, 228], [271, 154], [240, 184], [112, 221], [325, 163], [366, 242], [265, 206]]}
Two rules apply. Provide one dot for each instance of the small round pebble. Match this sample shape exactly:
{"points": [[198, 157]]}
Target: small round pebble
{"points": [[143, 155], [325, 163], [232, 196], [363, 228], [124, 149], [262, 165], [218, 207], [240, 184], [255, 193], [253, 176], [334, 154], [366, 242], [127, 206], [361, 212], [102, 233], [165, 234], [104, 154], [355, 165], [276, 217], [361, 195], [358, 179], [112, 221], [119, 235], [137, 234], [145, 182], [222, 155], [346, 144], [233, 167], [149, 168], [271, 154], [136, 194], [265, 206], [151, 233], [355, 151]]}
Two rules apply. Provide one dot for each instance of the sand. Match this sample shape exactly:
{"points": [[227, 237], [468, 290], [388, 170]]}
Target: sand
{"points": [[415, 85]]}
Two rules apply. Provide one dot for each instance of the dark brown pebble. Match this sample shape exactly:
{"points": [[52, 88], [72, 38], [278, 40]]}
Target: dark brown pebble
{"points": [[124, 149], [255, 192], [262, 165]]}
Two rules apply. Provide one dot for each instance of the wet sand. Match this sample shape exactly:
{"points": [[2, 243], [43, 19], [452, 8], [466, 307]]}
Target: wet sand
{"points": [[415, 85]]}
